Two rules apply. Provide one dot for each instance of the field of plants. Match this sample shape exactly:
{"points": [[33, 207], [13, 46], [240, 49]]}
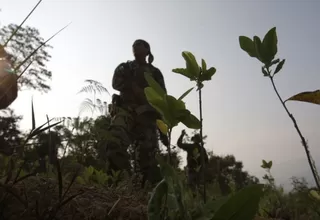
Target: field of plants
{"points": [[56, 170]]}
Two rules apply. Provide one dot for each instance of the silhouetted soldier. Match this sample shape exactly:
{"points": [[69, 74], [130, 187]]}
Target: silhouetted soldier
{"points": [[133, 118], [193, 150]]}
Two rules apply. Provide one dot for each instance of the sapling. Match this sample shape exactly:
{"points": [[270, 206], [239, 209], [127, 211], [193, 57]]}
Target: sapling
{"points": [[265, 51], [198, 74]]}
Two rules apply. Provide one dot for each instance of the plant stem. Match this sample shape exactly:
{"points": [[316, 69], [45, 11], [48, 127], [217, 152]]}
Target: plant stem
{"points": [[169, 146], [303, 140], [202, 145]]}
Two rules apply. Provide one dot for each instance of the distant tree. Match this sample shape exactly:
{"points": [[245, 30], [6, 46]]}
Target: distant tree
{"points": [[225, 169], [20, 47], [10, 135]]}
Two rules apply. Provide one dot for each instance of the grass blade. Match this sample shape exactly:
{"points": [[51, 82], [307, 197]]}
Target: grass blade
{"points": [[36, 50], [14, 33], [33, 116]]}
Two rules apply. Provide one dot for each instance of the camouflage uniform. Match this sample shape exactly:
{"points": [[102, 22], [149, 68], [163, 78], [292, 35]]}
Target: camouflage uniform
{"points": [[193, 161], [134, 120]]}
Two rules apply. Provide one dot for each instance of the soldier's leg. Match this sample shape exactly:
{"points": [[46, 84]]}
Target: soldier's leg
{"points": [[192, 179], [148, 147], [116, 147]]}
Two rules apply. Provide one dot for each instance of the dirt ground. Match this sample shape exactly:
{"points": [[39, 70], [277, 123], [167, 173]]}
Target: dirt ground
{"points": [[38, 198]]}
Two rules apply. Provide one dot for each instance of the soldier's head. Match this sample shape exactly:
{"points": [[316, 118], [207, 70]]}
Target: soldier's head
{"points": [[141, 49], [196, 138]]}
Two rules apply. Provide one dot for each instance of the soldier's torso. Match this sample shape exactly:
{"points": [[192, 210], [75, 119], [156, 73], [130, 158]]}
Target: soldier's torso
{"points": [[138, 72], [193, 162]]}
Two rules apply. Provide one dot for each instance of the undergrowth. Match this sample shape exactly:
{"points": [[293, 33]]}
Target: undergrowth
{"points": [[78, 186]]}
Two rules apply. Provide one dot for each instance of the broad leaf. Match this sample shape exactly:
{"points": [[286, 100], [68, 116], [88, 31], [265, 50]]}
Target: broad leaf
{"points": [[153, 84], [207, 75], [247, 45], [211, 207], [203, 65], [155, 100], [167, 171], [243, 205], [191, 63], [259, 48], [183, 72], [175, 187], [185, 94], [155, 202], [270, 42], [174, 104], [315, 194], [188, 119], [162, 126], [266, 165], [279, 66], [310, 97]]}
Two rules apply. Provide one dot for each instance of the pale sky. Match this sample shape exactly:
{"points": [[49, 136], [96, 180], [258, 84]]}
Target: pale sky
{"points": [[242, 115]]}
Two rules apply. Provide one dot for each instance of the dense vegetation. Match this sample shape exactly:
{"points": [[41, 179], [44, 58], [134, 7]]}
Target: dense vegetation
{"points": [[57, 171]]}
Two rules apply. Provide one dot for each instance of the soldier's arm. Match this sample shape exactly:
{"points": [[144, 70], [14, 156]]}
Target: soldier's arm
{"points": [[121, 78], [158, 77], [182, 145]]}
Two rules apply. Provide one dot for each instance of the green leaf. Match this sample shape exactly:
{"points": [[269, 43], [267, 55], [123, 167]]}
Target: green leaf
{"points": [[259, 48], [80, 180], [151, 94], [211, 207], [153, 84], [247, 45], [185, 94], [155, 202], [279, 66], [207, 75], [315, 194], [183, 72], [203, 65], [275, 62], [174, 186], [174, 104], [167, 171], [242, 206], [191, 121], [162, 126], [192, 65], [266, 165], [310, 97], [270, 42], [87, 173], [156, 101]]}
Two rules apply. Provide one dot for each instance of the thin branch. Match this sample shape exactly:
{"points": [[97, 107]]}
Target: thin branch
{"points": [[303, 140]]}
